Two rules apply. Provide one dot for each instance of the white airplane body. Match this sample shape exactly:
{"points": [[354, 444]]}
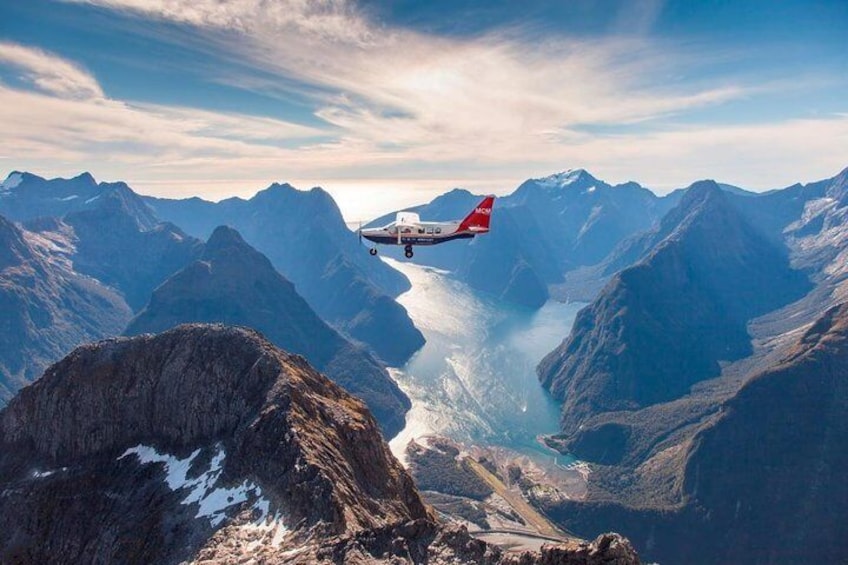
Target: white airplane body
{"points": [[409, 230]]}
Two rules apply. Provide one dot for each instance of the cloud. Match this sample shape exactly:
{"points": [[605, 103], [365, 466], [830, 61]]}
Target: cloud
{"points": [[50, 73], [320, 19], [400, 107]]}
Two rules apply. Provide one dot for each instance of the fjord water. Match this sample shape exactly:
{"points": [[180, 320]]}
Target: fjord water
{"points": [[475, 379]]}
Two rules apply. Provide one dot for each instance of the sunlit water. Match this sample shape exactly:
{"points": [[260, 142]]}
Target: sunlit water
{"points": [[475, 379]]}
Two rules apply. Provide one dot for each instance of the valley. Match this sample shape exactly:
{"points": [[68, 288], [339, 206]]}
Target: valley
{"points": [[474, 384]]}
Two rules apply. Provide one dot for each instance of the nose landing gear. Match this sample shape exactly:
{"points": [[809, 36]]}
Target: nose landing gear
{"points": [[408, 251]]}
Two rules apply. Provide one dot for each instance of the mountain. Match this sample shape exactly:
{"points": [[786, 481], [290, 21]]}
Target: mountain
{"points": [[505, 263], [753, 478], [208, 444], [306, 239], [664, 324], [47, 307], [25, 196], [583, 218], [118, 239], [234, 284]]}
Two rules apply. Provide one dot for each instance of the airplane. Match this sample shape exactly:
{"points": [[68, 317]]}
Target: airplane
{"points": [[409, 230]]}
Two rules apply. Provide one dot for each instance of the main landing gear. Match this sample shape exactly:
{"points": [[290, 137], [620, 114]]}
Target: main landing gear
{"points": [[373, 251], [408, 251]]}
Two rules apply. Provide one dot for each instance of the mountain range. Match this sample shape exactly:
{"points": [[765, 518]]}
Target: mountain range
{"points": [[80, 277], [544, 229], [705, 371], [305, 237]]}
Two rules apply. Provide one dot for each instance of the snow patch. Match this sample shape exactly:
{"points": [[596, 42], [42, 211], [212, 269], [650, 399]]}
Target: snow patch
{"points": [[213, 500], [92, 199], [560, 180], [66, 198], [42, 474]]}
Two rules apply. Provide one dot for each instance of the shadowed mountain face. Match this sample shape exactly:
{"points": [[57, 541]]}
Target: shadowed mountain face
{"points": [[664, 324], [209, 444], [304, 236], [234, 284], [47, 308], [781, 441]]}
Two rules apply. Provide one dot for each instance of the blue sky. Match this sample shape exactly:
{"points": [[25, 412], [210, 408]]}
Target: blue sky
{"points": [[389, 102]]}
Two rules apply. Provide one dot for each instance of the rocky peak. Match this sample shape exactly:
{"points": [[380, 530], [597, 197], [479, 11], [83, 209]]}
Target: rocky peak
{"points": [[85, 178], [225, 240]]}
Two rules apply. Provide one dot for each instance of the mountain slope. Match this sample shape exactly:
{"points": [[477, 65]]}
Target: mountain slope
{"points": [[304, 236], [234, 284], [755, 477], [664, 324], [47, 308], [208, 444]]}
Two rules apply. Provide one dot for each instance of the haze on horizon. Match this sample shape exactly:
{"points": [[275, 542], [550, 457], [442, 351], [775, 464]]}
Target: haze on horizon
{"points": [[387, 103]]}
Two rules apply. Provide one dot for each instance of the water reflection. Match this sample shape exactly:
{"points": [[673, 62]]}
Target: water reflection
{"points": [[475, 380]]}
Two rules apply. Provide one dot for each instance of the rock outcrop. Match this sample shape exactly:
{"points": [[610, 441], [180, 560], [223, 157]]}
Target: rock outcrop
{"points": [[209, 444], [232, 283]]}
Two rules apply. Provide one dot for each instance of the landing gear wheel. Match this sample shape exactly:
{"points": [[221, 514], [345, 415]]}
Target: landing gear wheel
{"points": [[408, 251], [372, 251]]}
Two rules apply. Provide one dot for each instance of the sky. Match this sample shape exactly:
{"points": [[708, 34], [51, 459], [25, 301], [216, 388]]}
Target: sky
{"points": [[387, 103]]}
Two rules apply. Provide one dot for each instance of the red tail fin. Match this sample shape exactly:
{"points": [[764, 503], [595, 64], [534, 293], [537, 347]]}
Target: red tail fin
{"points": [[478, 219]]}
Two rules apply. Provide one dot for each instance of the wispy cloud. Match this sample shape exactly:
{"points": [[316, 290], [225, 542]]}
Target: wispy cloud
{"points": [[50, 73]]}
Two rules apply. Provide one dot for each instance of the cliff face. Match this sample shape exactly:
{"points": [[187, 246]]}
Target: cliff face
{"points": [[304, 236], [779, 448], [664, 324], [208, 443], [47, 308], [234, 284]]}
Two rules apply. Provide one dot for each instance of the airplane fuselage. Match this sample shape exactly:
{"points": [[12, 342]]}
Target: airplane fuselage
{"points": [[408, 229], [420, 233]]}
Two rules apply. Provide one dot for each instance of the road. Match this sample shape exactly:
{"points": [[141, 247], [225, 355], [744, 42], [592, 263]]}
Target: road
{"points": [[532, 516]]}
